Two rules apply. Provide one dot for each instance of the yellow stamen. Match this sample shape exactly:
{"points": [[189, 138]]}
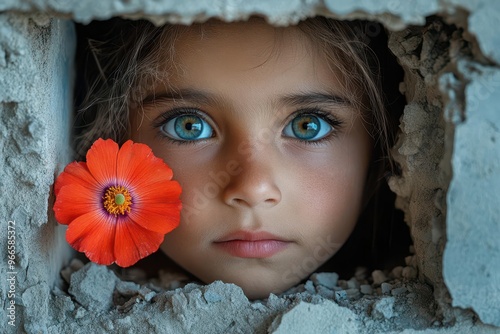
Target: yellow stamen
{"points": [[117, 200]]}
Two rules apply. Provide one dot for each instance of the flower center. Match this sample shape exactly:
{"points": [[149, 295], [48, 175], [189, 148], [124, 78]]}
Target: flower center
{"points": [[117, 200]]}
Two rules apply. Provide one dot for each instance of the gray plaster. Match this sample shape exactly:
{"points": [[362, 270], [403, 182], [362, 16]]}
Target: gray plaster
{"points": [[472, 256], [35, 79]]}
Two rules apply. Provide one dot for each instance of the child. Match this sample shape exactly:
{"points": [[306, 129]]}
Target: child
{"points": [[278, 136]]}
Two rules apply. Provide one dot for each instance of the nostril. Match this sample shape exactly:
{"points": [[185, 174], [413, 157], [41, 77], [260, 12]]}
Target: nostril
{"points": [[270, 202], [238, 201]]}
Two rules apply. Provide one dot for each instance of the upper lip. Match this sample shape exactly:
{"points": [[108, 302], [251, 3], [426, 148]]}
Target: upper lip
{"points": [[249, 236]]}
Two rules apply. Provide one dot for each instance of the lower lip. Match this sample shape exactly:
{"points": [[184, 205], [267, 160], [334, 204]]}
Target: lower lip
{"points": [[257, 249]]}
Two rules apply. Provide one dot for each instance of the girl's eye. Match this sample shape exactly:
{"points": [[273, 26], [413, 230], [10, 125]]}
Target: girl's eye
{"points": [[307, 127], [187, 127]]}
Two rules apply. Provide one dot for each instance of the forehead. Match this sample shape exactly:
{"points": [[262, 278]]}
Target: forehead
{"points": [[240, 42], [248, 53]]}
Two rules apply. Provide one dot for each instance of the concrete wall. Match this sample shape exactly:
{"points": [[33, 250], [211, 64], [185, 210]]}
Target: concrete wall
{"points": [[36, 66], [449, 146]]}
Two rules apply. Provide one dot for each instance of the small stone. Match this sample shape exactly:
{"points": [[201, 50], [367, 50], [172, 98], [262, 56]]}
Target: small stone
{"points": [[402, 87], [386, 288], [409, 272], [353, 294], [179, 303], [148, 296], [76, 264], [171, 280], [378, 277], [412, 249], [398, 291], [397, 272], [309, 287], [353, 283], [258, 306], [361, 273], [411, 261], [411, 296], [325, 292], [124, 322], [212, 296], [80, 313], [108, 325], [126, 288], [66, 274], [340, 295], [93, 287], [134, 274], [366, 289], [73, 266], [328, 280], [384, 308]]}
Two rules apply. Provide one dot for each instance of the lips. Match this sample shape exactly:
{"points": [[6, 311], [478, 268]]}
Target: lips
{"points": [[246, 244]]}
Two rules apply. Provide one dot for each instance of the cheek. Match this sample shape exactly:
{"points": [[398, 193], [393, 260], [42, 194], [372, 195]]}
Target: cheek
{"points": [[331, 203], [330, 192]]}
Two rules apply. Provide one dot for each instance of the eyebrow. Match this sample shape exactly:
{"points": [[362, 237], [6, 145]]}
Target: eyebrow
{"points": [[312, 98], [205, 98], [187, 94]]}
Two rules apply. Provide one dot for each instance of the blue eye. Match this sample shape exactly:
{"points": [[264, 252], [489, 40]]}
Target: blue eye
{"points": [[307, 127], [187, 127]]}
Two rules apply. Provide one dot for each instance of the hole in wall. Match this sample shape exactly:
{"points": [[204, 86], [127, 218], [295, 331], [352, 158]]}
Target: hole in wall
{"points": [[385, 308], [382, 243]]}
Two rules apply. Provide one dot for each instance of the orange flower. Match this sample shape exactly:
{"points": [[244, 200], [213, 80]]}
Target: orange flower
{"points": [[119, 204]]}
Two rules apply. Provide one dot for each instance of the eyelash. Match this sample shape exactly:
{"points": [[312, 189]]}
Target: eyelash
{"points": [[333, 121]]}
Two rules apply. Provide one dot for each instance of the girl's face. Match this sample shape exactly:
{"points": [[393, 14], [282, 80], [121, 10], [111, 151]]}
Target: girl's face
{"points": [[271, 154]]}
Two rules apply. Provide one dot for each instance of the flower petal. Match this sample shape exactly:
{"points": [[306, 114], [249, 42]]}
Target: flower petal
{"points": [[94, 234], [101, 161], [75, 200], [134, 243], [137, 165], [158, 192], [75, 172], [158, 217]]}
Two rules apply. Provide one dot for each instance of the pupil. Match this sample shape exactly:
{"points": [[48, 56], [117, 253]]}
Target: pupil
{"points": [[188, 127]]}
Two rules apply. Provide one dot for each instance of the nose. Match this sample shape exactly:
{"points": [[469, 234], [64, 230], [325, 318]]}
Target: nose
{"points": [[254, 186]]}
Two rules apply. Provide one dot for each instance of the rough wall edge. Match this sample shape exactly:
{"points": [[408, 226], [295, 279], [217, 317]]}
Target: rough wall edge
{"points": [[393, 14]]}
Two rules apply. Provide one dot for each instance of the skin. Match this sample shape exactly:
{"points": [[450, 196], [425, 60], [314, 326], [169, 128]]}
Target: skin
{"points": [[250, 175]]}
